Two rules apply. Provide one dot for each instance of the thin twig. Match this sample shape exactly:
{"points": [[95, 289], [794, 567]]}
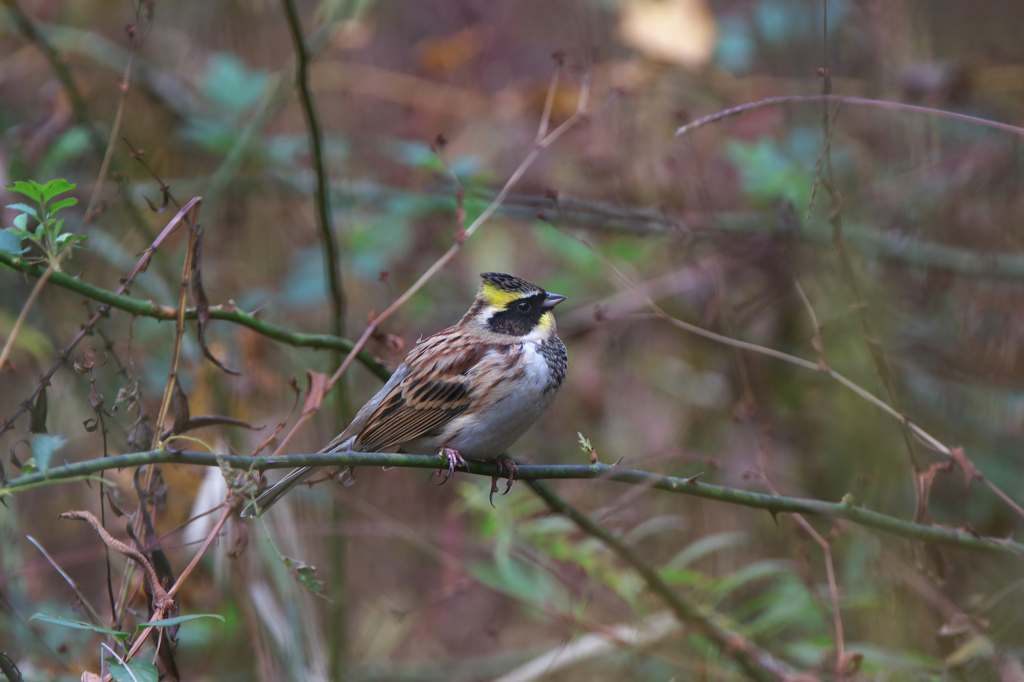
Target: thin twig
{"points": [[94, 615], [789, 99], [159, 613], [191, 223]]}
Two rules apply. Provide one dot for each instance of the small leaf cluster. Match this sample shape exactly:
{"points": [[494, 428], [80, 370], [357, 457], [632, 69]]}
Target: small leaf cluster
{"points": [[47, 231]]}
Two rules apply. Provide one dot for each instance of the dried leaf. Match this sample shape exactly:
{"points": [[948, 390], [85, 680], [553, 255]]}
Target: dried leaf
{"points": [[179, 402], [314, 392], [202, 302], [165, 199], [960, 459], [924, 480], [37, 414], [140, 438]]}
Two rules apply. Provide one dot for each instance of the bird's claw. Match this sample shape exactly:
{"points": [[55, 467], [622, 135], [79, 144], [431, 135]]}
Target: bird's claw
{"points": [[454, 460], [511, 470]]}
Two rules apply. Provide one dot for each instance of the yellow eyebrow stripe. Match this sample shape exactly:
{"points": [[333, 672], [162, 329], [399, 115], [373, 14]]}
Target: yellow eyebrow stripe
{"points": [[499, 298]]}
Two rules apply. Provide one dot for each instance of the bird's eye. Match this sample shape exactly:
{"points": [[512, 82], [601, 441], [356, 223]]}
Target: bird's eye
{"points": [[524, 307]]}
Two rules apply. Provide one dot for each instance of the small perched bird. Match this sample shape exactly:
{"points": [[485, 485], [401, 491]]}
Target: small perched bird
{"points": [[469, 391]]}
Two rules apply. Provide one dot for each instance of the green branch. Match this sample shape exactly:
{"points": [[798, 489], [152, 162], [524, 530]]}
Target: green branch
{"points": [[772, 503], [757, 663], [161, 312]]}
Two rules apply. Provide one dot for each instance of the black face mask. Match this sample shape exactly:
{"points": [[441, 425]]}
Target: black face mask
{"points": [[519, 317]]}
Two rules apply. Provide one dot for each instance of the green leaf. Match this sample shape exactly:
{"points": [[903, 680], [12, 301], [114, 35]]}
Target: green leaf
{"points": [[24, 208], [31, 189], [10, 241], [759, 570], [65, 237], [706, 545], [71, 145], [141, 671], [55, 187], [306, 575], [63, 203], [78, 625], [174, 621], [43, 447]]}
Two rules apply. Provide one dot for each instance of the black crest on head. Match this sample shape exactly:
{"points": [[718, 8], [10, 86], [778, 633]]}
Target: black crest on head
{"points": [[508, 282]]}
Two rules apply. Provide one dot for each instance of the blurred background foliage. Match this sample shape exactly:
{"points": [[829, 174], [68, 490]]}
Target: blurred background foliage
{"points": [[428, 583]]}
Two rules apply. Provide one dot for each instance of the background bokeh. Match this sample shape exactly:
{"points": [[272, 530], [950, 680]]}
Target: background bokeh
{"points": [[717, 226]]}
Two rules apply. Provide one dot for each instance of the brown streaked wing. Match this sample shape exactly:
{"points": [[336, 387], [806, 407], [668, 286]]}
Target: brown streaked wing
{"points": [[435, 392]]}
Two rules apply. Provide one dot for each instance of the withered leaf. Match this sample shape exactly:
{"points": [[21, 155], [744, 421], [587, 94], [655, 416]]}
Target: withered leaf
{"points": [[37, 414], [202, 302]]}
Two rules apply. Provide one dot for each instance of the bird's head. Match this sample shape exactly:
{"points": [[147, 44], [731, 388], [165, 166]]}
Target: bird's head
{"points": [[512, 306]]}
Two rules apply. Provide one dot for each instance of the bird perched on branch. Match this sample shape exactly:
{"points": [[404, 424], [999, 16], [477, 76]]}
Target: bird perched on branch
{"points": [[469, 391]]}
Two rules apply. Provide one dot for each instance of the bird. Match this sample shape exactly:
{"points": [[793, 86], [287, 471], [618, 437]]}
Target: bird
{"points": [[468, 391]]}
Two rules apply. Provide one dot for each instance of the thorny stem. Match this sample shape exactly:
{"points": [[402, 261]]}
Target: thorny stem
{"points": [[844, 509], [227, 313]]}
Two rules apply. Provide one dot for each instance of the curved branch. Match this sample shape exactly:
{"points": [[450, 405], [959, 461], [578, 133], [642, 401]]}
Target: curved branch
{"points": [[772, 503], [881, 104], [161, 312]]}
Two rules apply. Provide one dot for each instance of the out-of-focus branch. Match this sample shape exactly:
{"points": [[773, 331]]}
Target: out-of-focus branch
{"points": [[226, 313], [641, 221], [844, 509], [332, 267], [758, 663], [882, 104], [28, 29]]}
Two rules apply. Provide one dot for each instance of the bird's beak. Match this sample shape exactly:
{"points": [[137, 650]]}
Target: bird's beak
{"points": [[552, 300]]}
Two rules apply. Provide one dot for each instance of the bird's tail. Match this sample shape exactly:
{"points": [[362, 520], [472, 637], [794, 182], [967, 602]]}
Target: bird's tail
{"points": [[275, 492]]}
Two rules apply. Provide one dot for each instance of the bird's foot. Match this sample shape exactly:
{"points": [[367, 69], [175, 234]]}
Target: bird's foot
{"points": [[511, 469], [454, 460]]}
